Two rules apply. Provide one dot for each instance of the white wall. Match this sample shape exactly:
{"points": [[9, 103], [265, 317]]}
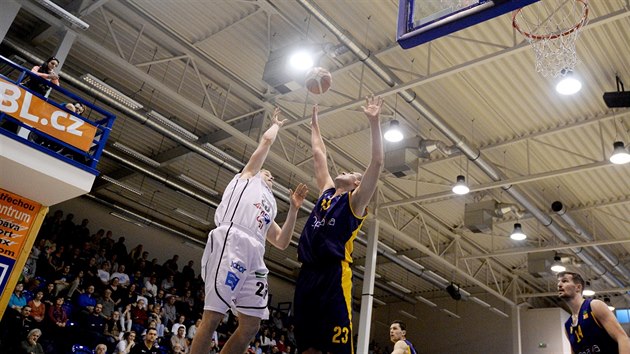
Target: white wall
{"points": [[543, 331]]}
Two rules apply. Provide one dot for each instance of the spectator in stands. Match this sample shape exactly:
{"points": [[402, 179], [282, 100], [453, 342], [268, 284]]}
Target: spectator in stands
{"points": [[117, 291], [127, 343], [120, 250], [193, 329], [169, 311], [125, 318], [103, 273], [63, 279], [49, 294], [170, 267], [277, 321], [113, 329], [57, 317], [136, 253], [265, 340], [108, 303], [123, 278], [51, 225], [139, 316], [17, 300], [38, 309], [46, 71], [188, 272], [179, 343], [77, 285], [30, 344], [30, 268], [100, 349], [107, 242], [148, 345], [56, 258], [81, 232], [151, 286], [168, 283], [87, 302], [181, 319], [94, 326], [91, 272], [15, 326]]}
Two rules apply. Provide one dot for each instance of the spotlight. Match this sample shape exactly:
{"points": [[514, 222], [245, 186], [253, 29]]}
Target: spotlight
{"points": [[620, 154], [454, 292], [301, 60], [393, 134], [460, 187], [557, 265], [568, 85], [518, 233]]}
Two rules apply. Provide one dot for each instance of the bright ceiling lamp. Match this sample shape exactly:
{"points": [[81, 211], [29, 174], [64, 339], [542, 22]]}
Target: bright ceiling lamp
{"points": [[111, 92], [393, 134], [557, 265], [518, 234], [460, 187], [620, 154], [568, 85], [301, 60], [587, 290]]}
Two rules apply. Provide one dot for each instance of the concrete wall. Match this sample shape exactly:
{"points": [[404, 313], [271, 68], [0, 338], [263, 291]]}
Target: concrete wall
{"points": [[543, 331]]}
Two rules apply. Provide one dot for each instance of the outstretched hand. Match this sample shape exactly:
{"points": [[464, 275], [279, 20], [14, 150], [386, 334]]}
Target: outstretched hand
{"points": [[297, 197], [372, 107], [274, 118], [315, 117]]}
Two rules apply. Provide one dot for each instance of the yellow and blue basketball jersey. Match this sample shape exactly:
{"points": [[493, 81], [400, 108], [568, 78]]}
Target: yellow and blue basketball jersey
{"points": [[589, 336], [323, 312]]}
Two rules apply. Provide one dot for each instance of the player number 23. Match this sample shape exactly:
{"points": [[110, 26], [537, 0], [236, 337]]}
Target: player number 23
{"points": [[341, 335]]}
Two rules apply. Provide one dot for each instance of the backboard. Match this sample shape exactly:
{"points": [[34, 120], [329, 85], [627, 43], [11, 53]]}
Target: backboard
{"points": [[421, 21]]}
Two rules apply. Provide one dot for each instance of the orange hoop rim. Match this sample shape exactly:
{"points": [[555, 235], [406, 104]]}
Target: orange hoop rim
{"points": [[538, 37]]}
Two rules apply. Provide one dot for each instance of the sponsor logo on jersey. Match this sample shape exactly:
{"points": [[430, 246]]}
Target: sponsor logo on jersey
{"points": [[240, 267], [231, 280], [317, 223]]}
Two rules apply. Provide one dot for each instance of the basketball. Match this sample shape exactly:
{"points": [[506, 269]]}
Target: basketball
{"points": [[318, 80]]}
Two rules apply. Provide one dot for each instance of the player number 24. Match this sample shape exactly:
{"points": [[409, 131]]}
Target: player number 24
{"points": [[341, 335]]}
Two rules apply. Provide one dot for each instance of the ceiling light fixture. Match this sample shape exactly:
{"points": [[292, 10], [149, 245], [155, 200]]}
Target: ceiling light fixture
{"points": [[111, 92], [121, 184], [407, 314], [480, 302], [587, 289], [399, 287], [173, 126], [426, 301], [198, 185], [518, 234], [499, 312], [620, 154], [378, 302], [569, 84], [557, 265], [460, 187], [57, 10], [192, 216], [450, 314], [125, 218], [301, 60], [393, 133], [136, 154]]}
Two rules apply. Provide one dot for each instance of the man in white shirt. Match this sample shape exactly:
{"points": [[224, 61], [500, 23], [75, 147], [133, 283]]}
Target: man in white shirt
{"points": [[123, 278]]}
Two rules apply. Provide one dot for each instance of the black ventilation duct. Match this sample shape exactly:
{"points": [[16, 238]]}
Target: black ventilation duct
{"points": [[617, 99], [454, 291]]}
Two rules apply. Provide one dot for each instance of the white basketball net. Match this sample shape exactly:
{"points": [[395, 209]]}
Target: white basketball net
{"points": [[552, 28]]}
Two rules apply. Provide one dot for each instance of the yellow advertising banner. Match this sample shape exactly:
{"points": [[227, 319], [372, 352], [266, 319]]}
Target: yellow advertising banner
{"points": [[16, 218], [39, 114]]}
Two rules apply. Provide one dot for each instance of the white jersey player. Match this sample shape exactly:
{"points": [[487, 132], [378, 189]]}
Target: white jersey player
{"points": [[233, 265]]}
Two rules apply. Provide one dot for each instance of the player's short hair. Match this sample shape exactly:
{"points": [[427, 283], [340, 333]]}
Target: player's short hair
{"points": [[577, 278], [400, 323]]}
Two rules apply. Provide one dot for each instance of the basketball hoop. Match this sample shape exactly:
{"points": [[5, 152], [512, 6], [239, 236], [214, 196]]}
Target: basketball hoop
{"points": [[552, 27]]}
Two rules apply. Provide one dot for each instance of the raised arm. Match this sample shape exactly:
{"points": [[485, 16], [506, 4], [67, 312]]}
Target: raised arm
{"points": [[281, 237], [260, 154], [324, 181], [363, 193], [610, 324], [400, 347]]}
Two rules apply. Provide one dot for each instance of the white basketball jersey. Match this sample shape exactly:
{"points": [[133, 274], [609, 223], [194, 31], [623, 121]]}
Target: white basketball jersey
{"points": [[249, 204]]}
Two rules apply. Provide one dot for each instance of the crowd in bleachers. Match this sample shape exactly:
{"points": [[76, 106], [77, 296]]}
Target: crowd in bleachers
{"points": [[80, 289]]}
